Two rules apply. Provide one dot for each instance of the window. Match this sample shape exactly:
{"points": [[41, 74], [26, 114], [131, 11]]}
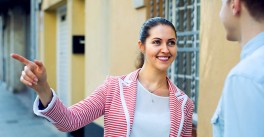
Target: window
{"points": [[185, 15]]}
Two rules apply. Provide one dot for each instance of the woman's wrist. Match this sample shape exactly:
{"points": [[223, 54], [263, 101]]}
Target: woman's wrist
{"points": [[45, 94], [43, 88]]}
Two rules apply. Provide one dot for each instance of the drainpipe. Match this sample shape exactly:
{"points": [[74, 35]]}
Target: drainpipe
{"points": [[34, 34], [1, 50]]}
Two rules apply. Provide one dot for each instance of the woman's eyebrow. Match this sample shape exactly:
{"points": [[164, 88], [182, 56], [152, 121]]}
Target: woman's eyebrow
{"points": [[157, 38], [172, 39]]}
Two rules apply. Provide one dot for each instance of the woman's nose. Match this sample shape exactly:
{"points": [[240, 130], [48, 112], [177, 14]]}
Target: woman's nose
{"points": [[164, 48]]}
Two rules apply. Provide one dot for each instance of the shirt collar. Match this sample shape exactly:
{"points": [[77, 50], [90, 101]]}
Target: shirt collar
{"points": [[252, 45]]}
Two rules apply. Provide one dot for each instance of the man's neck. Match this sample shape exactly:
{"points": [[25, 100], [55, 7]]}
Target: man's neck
{"points": [[250, 29], [247, 35]]}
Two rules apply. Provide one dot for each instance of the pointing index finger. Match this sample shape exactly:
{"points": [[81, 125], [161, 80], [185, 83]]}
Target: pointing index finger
{"points": [[20, 58]]}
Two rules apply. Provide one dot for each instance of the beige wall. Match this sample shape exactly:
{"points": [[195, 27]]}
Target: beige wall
{"points": [[52, 4], [125, 24], [76, 16], [48, 46], [112, 30], [217, 57]]}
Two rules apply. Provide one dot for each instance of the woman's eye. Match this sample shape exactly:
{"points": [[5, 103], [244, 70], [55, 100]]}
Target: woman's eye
{"points": [[156, 42], [171, 43]]}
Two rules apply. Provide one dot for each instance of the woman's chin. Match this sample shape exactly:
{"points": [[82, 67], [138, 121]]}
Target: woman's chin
{"points": [[163, 68]]}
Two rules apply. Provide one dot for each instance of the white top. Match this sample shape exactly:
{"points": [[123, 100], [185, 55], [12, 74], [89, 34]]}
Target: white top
{"points": [[152, 115]]}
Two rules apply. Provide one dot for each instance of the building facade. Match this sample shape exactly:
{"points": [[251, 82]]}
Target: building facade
{"points": [[81, 42]]}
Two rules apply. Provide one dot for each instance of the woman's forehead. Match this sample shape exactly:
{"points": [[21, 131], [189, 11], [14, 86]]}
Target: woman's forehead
{"points": [[162, 31]]}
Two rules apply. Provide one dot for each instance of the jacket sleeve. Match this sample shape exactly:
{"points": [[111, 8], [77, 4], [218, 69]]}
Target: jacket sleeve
{"points": [[78, 115], [187, 130], [243, 102]]}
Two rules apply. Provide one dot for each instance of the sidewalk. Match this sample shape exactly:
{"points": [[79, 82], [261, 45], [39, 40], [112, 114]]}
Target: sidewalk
{"points": [[16, 120]]}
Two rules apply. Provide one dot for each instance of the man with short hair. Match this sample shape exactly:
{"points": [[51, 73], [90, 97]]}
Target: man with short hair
{"points": [[240, 111]]}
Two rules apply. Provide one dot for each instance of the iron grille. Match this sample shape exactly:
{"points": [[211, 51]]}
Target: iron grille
{"points": [[185, 15]]}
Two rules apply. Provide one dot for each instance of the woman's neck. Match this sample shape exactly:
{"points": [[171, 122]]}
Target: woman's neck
{"points": [[155, 81]]}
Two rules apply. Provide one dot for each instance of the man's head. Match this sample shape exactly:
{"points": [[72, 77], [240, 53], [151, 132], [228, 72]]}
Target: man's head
{"points": [[234, 12]]}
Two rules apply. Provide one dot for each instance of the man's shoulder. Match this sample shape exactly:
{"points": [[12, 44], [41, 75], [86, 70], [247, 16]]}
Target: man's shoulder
{"points": [[251, 67]]}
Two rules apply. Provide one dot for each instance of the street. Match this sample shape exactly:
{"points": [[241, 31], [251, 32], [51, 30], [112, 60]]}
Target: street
{"points": [[17, 120]]}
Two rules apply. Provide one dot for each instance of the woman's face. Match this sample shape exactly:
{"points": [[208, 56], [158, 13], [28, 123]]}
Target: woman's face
{"points": [[160, 47]]}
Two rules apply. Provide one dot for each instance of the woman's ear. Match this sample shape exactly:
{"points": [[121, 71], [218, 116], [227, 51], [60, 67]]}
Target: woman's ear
{"points": [[141, 47]]}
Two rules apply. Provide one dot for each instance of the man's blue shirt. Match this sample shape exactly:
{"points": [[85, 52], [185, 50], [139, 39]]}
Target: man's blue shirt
{"points": [[240, 112]]}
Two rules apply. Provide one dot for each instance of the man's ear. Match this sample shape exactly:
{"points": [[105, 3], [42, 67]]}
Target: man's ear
{"points": [[236, 7], [141, 47]]}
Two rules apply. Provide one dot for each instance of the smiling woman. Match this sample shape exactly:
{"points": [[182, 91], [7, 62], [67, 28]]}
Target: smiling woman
{"points": [[145, 32], [134, 104], [160, 47]]}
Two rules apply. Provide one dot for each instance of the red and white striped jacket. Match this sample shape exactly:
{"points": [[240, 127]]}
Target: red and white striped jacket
{"points": [[116, 100]]}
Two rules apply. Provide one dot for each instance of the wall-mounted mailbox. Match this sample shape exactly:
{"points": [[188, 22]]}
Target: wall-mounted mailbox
{"points": [[78, 44]]}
